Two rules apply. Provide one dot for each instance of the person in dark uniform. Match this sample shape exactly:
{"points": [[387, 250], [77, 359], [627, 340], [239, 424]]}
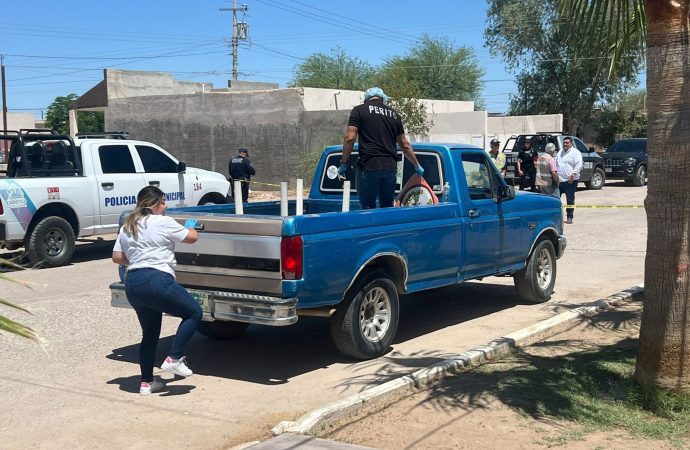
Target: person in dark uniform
{"points": [[379, 128], [240, 168], [525, 165]]}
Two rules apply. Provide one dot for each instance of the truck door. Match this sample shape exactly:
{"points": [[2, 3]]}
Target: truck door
{"points": [[587, 159], [484, 236], [118, 183], [161, 170]]}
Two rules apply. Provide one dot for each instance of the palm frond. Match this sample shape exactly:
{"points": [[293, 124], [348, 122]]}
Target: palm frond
{"points": [[7, 324]]}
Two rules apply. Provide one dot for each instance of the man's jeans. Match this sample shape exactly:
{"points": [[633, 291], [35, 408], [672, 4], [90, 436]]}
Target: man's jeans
{"points": [[569, 190], [151, 293], [373, 184]]}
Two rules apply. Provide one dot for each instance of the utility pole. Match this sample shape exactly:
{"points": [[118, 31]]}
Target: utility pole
{"points": [[4, 104], [237, 34]]}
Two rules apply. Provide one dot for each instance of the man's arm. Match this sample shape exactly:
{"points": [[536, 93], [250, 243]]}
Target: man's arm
{"points": [[348, 143], [407, 149], [248, 163]]}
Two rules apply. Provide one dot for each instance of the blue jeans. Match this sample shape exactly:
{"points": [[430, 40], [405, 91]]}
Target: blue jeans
{"points": [[152, 293], [569, 190], [373, 184]]}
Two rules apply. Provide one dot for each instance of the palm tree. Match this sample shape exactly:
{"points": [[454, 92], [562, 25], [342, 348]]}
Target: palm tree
{"points": [[664, 25], [10, 325]]}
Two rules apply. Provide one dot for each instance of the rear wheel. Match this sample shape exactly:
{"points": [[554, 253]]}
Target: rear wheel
{"points": [[640, 178], [535, 282], [213, 199], [598, 179], [365, 323], [222, 329], [51, 242]]}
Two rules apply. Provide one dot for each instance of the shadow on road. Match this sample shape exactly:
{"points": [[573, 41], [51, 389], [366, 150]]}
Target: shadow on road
{"points": [[86, 250], [131, 384], [274, 355]]}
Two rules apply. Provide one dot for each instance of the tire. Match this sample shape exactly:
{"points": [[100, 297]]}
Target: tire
{"points": [[51, 243], [535, 282], [222, 329], [353, 330], [597, 181], [640, 178], [213, 199]]}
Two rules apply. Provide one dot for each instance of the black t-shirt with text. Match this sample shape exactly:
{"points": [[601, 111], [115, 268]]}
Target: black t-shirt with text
{"points": [[378, 128]]}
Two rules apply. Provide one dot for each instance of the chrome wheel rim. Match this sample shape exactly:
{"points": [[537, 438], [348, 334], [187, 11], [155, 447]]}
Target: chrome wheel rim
{"points": [[642, 174], [596, 179], [544, 269], [54, 241], [375, 314]]}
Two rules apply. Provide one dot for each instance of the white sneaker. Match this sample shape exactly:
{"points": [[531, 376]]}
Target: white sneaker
{"points": [[177, 366], [149, 388]]}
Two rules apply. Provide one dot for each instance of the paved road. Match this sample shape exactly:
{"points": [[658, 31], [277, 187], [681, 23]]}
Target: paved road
{"points": [[81, 392]]}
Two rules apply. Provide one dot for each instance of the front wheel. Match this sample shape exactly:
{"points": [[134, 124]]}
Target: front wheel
{"points": [[535, 282], [364, 324], [598, 179], [640, 178], [221, 329], [51, 242]]}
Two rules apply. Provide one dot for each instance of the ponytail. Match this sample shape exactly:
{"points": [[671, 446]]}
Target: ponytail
{"points": [[147, 198]]}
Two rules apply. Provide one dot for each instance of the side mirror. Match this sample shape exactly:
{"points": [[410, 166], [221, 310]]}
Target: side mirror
{"points": [[181, 167], [506, 192]]}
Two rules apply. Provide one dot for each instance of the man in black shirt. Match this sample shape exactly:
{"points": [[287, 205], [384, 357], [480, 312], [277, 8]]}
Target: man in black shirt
{"points": [[379, 128], [525, 165], [240, 168]]}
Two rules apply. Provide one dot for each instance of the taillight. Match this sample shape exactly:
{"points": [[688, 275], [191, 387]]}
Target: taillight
{"points": [[1, 210], [291, 257]]}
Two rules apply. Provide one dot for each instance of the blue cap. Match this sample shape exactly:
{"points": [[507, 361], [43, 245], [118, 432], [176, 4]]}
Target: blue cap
{"points": [[375, 92]]}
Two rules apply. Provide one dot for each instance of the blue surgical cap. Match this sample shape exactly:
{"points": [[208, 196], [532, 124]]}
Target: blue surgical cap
{"points": [[375, 92]]}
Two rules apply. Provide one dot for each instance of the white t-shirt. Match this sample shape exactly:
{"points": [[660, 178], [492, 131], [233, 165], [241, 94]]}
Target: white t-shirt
{"points": [[155, 246], [569, 163]]}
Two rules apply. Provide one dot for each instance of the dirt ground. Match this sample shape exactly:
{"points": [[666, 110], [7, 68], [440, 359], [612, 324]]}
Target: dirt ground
{"points": [[457, 414]]}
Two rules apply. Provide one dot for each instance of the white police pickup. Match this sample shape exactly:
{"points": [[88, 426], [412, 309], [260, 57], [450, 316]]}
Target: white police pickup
{"points": [[57, 189]]}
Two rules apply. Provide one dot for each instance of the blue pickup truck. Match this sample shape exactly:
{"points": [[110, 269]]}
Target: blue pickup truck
{"points": [[351, 267]]}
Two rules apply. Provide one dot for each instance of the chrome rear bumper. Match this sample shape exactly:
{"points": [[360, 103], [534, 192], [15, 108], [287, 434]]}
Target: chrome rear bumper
{"points": [[220, 305]]}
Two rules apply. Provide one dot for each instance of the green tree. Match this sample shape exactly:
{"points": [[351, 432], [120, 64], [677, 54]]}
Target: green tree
{"points": [[404, 97], [57, 116], [440, 70], [335, 71], [664, 353], [557, 69], [624, 117]]}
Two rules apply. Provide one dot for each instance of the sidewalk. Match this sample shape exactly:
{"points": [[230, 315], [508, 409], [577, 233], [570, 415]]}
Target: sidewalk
{"points": [[411, 417]]}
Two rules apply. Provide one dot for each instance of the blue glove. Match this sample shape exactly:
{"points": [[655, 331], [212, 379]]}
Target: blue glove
{"points": [[419, 170], [190, 223], [341, 171]]}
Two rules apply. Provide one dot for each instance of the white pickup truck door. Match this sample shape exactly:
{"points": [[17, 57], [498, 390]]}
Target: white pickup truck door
{"points": [[160, 169], [118, 182]]}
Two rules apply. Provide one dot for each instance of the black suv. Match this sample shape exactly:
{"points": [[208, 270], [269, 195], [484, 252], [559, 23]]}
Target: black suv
{"points": [[592, 174], [627, 159]]}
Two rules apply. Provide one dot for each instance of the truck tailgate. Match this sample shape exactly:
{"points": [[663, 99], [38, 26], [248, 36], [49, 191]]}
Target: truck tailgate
{"points": [[234, 253]]}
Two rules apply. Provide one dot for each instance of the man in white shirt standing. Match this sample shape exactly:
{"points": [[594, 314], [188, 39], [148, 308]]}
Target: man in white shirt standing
{"points": [[569, 161]]}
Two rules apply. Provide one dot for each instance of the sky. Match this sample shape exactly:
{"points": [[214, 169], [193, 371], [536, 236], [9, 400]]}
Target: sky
{"points": [[55, 48]]}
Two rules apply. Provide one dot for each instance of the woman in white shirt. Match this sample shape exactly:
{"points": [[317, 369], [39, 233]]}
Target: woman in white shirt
{"points": [[146, 245]]}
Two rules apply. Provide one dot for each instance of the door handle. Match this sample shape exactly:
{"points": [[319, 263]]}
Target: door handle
{"points": [[474, 212], [154, 183], [108, 185]]}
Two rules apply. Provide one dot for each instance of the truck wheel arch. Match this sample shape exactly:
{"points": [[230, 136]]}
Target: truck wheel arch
{"points": [[391, 263], [55, 209], [215, 198], [548, 233]]}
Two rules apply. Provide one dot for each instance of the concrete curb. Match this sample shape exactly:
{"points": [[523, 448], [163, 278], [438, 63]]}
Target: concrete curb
{"points": [[382, 395]]}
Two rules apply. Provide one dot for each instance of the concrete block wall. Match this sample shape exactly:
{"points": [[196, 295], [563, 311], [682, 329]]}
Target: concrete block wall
{"points": [[205, 130]]}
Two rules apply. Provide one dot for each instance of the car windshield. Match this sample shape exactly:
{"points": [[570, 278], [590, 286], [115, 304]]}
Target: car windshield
{"points": [[628, 146]]}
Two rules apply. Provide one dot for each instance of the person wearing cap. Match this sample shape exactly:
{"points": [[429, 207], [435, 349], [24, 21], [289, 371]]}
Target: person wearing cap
{"points": [[498, 158], [525, 166], [547, 172], [378, 128], [241, 169]]}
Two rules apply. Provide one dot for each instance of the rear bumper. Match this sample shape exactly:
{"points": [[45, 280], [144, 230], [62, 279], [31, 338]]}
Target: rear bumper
{"points": [[220, 305]]}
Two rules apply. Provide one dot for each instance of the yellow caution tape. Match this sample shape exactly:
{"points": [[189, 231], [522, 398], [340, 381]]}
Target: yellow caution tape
{"points": [[604, 206]]}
